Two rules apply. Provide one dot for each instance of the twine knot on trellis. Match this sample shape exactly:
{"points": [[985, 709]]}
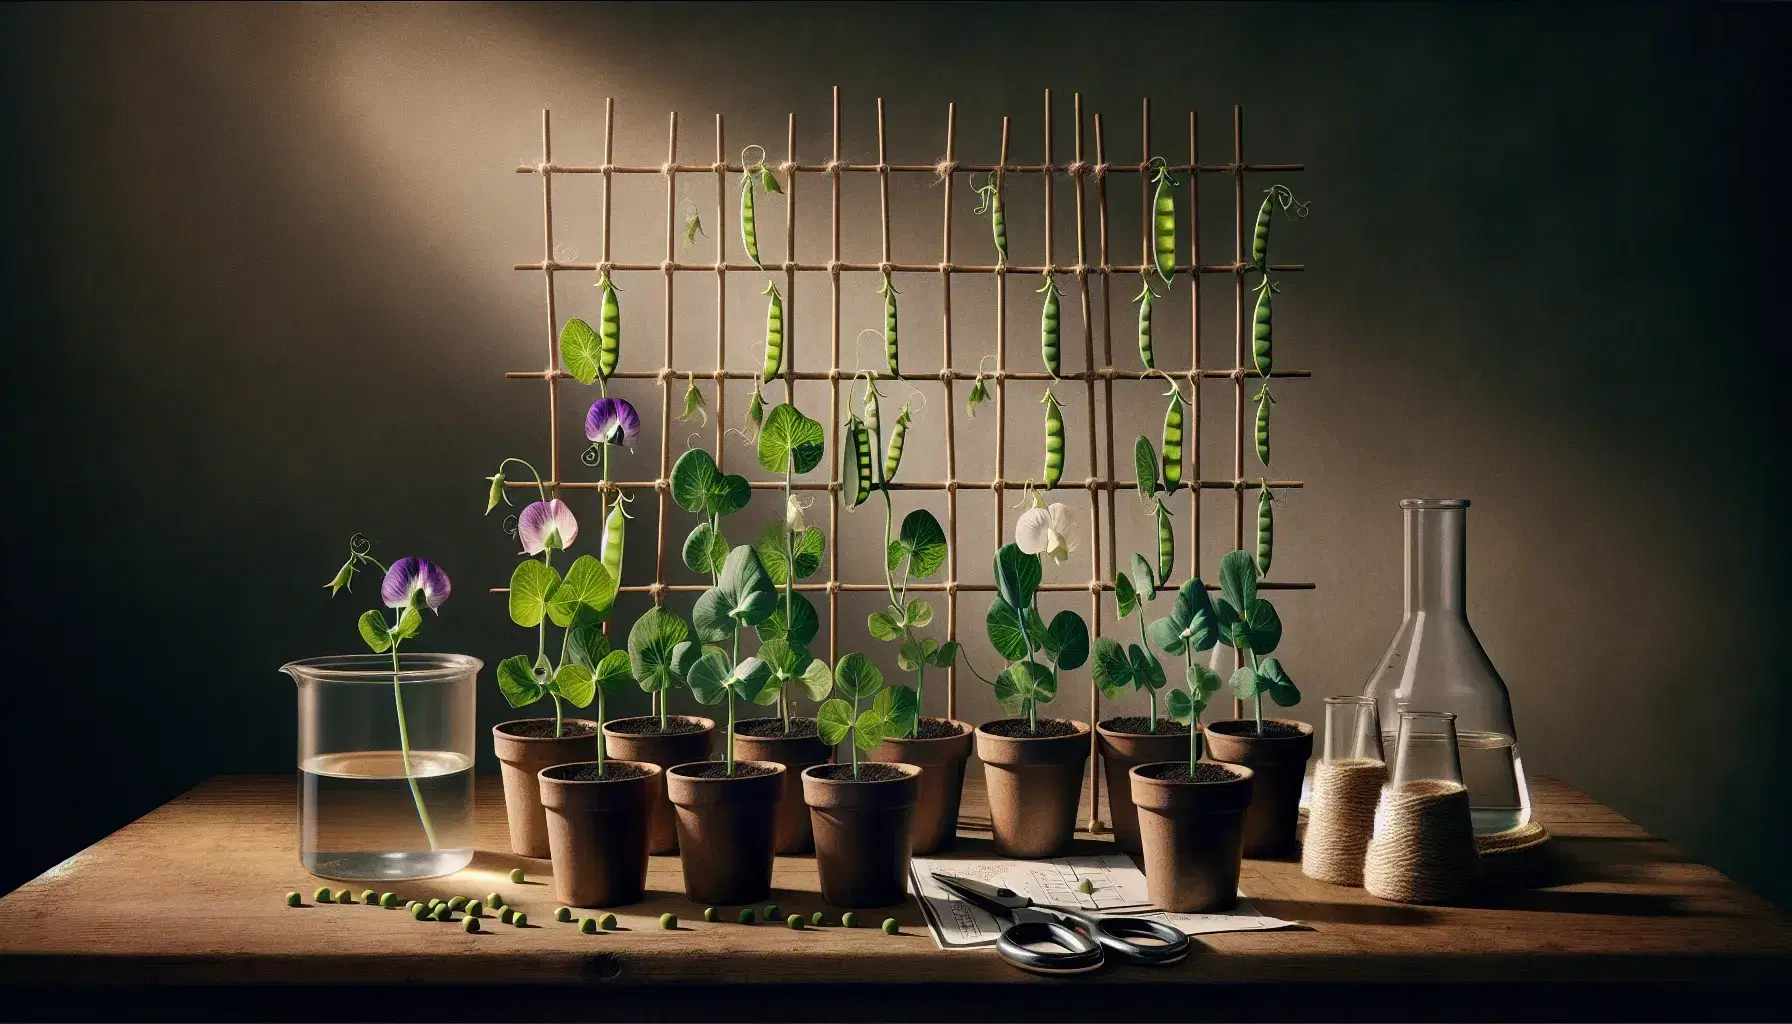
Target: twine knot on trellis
{"points": [[1080, 270], [662, 485], [835, 374], [1093, 485], [943, 168], [832, 166], [666, 375], [787, 166], [951, 588], [1423, 850], [603, 269], [668, 167], [951, 487], [834, 267], [720, 167], [947, 376], [667, 266], [886, 268], [1095, 587], [1238, 373], [1076, 168], [833, 586], [1341, 819], [719, 376], [658, 591], [1101, 170]]}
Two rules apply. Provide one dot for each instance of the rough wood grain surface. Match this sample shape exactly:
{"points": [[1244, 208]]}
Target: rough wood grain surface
{"points": [[192, 893]]}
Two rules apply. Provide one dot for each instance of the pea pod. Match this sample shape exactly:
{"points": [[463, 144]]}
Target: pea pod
{"points": [[874, 432], [609, 331], [1172, 446], [855, 463], [774, 331], [1166, 545], [1264, 400], [755, 413], [898, 435], [1054, 439], [614, 527], [1260, 330], [1163, 220], [890, 350], [1144, 299], [1049, 348], [749, 232], [1260, 237], [1266, 530], [992, 205]]}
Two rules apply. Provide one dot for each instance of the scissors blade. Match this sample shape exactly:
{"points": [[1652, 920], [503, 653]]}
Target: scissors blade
{"points": [[993, 898]]}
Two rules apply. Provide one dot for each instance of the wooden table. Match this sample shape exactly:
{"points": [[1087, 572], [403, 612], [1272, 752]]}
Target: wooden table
{"points": [[172, 914]]}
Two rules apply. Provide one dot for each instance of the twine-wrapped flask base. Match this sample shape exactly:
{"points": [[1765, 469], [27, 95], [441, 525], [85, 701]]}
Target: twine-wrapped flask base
{"points": [[1424, 848], [1341, 819]]}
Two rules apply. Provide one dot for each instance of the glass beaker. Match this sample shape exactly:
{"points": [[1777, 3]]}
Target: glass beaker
{"points": [[1346, 790], [1435, 663], [385, 764]]}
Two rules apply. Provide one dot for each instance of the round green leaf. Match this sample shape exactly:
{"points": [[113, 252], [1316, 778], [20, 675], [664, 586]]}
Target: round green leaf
{"points": [[1263, 627], [1017, 575], [1245, 683], [708, 678], [579, 347], [1126, 597], [805, 622], [923, 543], [882, 626], [588, 586], [1147, 672], [920, 613], [902, 710], [517, 682], [372, 626], [833, 720], [1111, 671], [1238, 578], [651, 644], [705, 550], [790, 439], [614, 674], [588, 646], [1067, 640], [817, 680], [1003, 627], [1144, 460], [576, 684], [693, 475], [1202, 680], [856, 677], [530, 587], [869, 730]]}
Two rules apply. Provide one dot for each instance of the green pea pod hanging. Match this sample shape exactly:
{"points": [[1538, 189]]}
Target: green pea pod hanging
{"points": [[1266, 530], [1260, 238], [1172, 446], [1260, 334], [898, 435], [1054, 439], [1264, 400], [609, 331], [992, 205], [874, 431], [1166, 545], [774, 332], [1163, 216], [1049, 348], [749, 233], [1144, 299], [890, 348], [614, 528], [855, 463]]}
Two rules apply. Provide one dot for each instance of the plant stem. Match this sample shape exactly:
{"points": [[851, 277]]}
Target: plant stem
{"points": [[600, 733], [736, 662], [404, 741], [853, 740], [1027, 641], [557, 718], [789, 590], [1145, 645], [1259, 699], [1194, 722]]}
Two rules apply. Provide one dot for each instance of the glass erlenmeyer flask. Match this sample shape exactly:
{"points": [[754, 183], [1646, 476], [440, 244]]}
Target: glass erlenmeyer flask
{"points": [[1436, 663]]}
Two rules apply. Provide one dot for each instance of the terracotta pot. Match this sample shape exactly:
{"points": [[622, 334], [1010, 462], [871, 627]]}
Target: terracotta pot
{"points": [[942, 762], [520, 758], [664, 750], [862, 831], [1033, 784], [795, 753], [597, 830], [1120, 753], [1280, 764], [726, 830], [1192, 834]]}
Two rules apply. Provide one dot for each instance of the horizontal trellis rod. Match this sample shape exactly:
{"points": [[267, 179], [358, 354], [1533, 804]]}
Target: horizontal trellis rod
{"points": [[769, 266], [1106, 373], [952, 588], [1095, 484], [948, 167]]}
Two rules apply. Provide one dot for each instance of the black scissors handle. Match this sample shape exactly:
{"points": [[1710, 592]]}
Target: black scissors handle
{"points": [[1076, 953], [1120, 935]]}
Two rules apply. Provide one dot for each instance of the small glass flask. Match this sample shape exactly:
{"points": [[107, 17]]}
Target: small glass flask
{"points": [[1423, 849], [1436, 663], [1345, 790]]}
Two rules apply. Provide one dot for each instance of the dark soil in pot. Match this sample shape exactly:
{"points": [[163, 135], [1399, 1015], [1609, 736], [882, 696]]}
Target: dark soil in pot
{"points": [[1126, 742], [686, 738], [764, 739], [524, 747], [1191, 831], [941, 747], [1279, 759], [862, 830], [1034, 779], [597, 830], [726, 828]]}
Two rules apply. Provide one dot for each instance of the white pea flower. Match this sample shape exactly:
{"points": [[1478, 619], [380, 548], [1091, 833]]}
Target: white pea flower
{"points": [[1046, 531], [793, 514]]}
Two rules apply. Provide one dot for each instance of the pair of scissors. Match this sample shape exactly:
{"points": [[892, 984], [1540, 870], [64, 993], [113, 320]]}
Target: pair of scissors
{"points": [[1083, 942]]}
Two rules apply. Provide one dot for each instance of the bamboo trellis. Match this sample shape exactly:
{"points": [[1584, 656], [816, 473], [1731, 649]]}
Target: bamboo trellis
{"points": [[1081, 172]]}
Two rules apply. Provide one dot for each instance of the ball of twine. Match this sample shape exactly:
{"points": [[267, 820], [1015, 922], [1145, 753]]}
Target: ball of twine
{"points": [[1424, 851], [1341, 819]]}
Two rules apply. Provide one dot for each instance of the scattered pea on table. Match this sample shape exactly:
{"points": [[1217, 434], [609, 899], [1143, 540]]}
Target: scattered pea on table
{"points": [[849, 920], [710, 914], [817, 918], [746, 915], [345, 897], [420, 911], [771, 912], [321, 896], [369, 897], [795, 922], [669, 921], [588, 926], [444, 913], [520, 919], [516, 875], [494, 900], [472, 924], [457, 904], [563, 914], [292, 900], [389, 900], [1086, 887], [505, 915], [890, 927], [608, 922]]}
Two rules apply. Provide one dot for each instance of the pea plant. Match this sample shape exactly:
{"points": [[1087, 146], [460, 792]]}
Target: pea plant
{"points": [[742, 598], [660, 655], [699, 486], [916, 552], [1191, 627], [857, 680], [1021, 636], [1249, 624], [789, 550], [409, 585], [1136, 665]]}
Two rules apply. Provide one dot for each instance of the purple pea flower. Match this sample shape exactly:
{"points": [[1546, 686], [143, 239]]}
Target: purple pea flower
{"points": [[546, 526], [412, 575], [612, 421]]}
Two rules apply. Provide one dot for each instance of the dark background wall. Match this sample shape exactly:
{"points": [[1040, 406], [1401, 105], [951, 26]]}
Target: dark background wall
{"points": [[259, 299]]}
